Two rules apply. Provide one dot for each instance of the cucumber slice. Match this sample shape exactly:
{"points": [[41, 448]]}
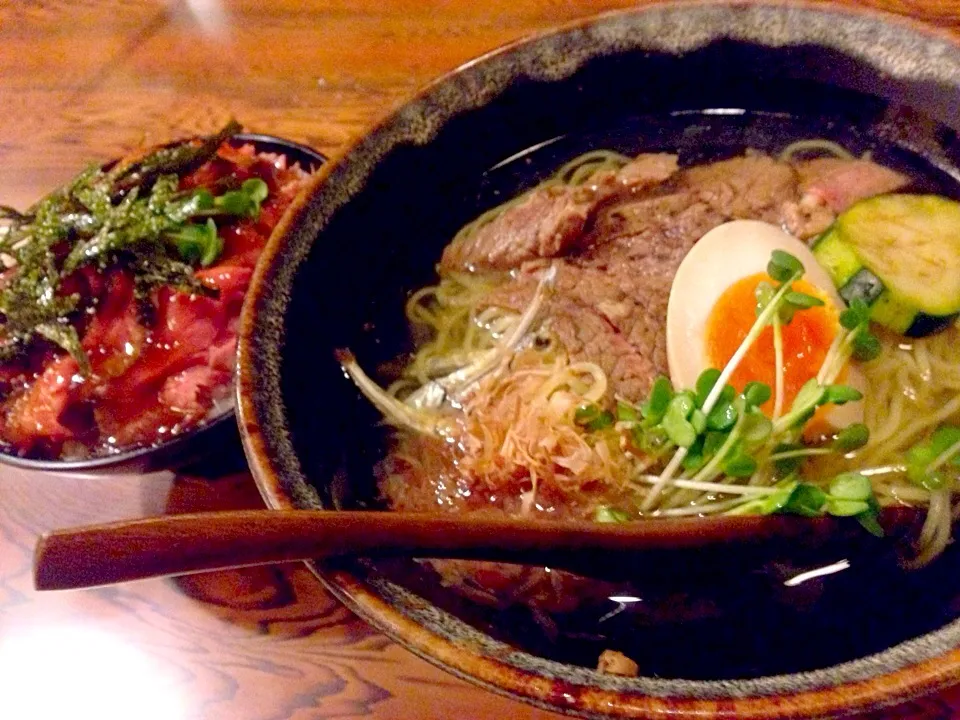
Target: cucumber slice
{"points": [[854, 281], [890, 312], [837, 258], [912, 243], [863, 285]]}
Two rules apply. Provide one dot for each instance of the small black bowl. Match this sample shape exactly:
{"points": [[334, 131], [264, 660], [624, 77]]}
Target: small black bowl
{"points": [[216, 437]]}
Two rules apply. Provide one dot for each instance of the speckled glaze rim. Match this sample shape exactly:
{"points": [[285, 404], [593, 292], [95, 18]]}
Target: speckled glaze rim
{"points": [[898, 46]]}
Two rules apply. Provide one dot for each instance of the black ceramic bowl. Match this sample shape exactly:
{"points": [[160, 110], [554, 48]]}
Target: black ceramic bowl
{"points": [[704, 80], [216, 436]]}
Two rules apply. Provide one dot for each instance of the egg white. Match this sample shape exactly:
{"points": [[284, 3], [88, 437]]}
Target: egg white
{"points": [[723, 256]]}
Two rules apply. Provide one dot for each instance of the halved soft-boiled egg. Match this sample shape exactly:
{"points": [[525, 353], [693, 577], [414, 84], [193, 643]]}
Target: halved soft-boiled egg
{"points": [[713, 306]]}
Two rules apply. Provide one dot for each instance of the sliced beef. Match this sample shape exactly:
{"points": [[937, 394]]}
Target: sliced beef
{"points": [[829, 186], [838, 184], [657, 229], [653, 233], [548, 222], [544, 224], [643, 172], [190, 392], [614, 319], [750, 187], [807, 217], [587, 335], [36, 415]]}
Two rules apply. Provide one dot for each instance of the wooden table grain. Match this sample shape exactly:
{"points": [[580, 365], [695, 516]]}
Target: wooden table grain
{"points": [[85, 80]]}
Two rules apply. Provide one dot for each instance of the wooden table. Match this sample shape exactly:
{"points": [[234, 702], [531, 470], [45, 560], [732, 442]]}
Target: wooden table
{"points": [[81, 81]]}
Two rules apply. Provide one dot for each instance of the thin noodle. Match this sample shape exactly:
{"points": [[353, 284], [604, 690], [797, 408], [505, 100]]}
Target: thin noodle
{"points": [[816, 146]]}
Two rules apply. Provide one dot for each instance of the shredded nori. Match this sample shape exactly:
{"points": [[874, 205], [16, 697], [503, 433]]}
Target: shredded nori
{"points": [[126, 215]]}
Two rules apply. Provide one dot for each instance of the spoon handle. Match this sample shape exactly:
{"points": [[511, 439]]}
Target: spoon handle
{"points": [[180, 544]]}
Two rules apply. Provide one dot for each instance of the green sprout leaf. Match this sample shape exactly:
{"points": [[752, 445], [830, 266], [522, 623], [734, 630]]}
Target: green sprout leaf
{"points": [[712, 442], [695, 458], [198, 244], [756, 393], [943, 438], [739, 465], [256, 188], [870, 523], [675, 420], [244, 202], [852, 437], [783, 266], [851, 486], [789, 465], [810, 395], [921, 457], [723, 416], [764, 296], [768, 504], [840, 394], [856, 315], [627, 412], [866, 347], [806, 500], [801, 300], [592, 418], [756, 428], [607, 514], [651, 441], [918, 460], [846, 508], [850, 495], [708, 378], [660, 396], [698, 420]]}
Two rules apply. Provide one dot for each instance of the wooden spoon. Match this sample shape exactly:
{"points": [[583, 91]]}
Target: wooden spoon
{"points": [[180, 544]]}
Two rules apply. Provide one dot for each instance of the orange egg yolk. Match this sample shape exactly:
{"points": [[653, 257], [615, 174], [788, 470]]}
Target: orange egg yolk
{"points": [[806, 339]]}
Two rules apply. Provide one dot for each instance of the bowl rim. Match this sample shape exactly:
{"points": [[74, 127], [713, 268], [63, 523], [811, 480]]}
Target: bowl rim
{"points": [[884, 688], [140, 455]]}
